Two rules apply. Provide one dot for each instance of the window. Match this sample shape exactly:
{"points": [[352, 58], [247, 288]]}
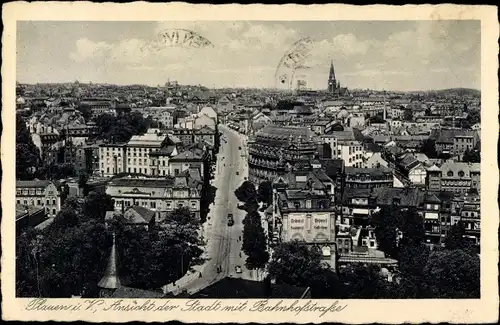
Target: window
{"points": [[449, 174], [461, 174], [53, 201]]}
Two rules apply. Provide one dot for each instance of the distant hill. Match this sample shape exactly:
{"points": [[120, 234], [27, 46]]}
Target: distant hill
{"points": [[459, 92]]}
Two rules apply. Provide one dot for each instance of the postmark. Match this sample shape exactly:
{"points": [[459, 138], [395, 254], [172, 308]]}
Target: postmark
{"points": [[176, 37], [293, 60]]}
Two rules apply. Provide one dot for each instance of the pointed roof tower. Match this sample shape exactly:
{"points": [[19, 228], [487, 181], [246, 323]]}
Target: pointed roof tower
{"points": [[110, 279], [332, 72]]}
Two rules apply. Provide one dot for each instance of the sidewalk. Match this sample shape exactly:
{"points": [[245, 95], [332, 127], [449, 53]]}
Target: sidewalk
{"points": [[190, 276]]}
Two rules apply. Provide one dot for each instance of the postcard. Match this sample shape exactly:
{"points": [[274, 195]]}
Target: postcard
{"points": [[249, 163]]}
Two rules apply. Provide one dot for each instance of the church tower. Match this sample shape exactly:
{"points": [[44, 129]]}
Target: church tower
{"points": [[111, 280], [332, 80]]}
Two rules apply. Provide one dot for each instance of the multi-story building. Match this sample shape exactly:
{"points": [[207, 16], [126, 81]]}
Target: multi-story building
{"points": [[454, 141], [368, 177], [186, 160], [205, 134], [274, 150], [186, 136], [347, 145], [160, 195], [138, 149], [456, 177], [303, 210], [160, 160], [470, 216], [39, 193], [112, 158]]}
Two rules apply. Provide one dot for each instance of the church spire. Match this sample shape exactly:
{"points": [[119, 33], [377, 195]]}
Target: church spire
{"points": [[332, 72], [111, 280]]}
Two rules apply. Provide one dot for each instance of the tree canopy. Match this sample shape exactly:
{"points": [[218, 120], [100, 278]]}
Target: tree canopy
{"points": [[27, 154], [429, 148], [69, 257], [391, 222], [246, 193], [122, 127], [295, 263], [472, 156], [254, 241], [265, 192], [453, 274]]}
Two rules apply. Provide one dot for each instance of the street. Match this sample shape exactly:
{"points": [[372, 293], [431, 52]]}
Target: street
{"points": [[223, 246]]}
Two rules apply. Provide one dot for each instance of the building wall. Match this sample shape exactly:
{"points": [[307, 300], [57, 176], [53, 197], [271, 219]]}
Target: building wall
{"points": [[47, 197], [351, 153], [155, 198], [417, 175], [311, 226], [112, 160]]}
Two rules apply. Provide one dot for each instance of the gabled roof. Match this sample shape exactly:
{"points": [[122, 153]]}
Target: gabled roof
{"points": [[187, 155], [33, 184]]}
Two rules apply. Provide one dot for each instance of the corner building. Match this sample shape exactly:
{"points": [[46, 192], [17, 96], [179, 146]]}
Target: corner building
{"points": [[275, 150]]}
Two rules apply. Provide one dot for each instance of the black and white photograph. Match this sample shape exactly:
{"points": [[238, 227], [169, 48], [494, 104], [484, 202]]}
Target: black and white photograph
{"points": [[248, 159]]}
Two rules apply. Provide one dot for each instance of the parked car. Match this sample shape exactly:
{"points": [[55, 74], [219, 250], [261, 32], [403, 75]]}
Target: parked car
{"points": [[238, 269]]}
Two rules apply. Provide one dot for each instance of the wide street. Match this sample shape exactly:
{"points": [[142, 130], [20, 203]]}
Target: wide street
{"points": [[223, 242]]}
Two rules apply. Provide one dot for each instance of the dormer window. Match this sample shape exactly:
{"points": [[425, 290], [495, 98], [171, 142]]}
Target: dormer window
{"points": [[449, 174], [461, 174]]}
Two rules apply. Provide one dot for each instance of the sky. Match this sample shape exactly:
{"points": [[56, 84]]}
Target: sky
{"points": [[381, 55]]}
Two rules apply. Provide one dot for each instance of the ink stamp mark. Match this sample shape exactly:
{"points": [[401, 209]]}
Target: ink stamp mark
{"points": [[183, 38], [294, 59]]}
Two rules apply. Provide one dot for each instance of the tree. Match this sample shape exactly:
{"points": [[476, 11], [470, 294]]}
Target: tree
{"points": [[86, 111], [408, 115], [27, 154], [453, 274], [363, 282], [254, 241], [60, 262], [474, 116], [411, 224], [412, 259], [429, 148], [182, 216], [95, 206], [472, 156], [391, 221], [169, 249], [386, 225], [295, 263], [121, 128], [246, 193], [265, 192], [455, 237]]}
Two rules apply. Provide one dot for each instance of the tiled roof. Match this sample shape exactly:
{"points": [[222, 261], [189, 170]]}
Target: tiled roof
{"points": [[138, 214], [142, 182], [186, 156], [409, 197], [33, 184], [372, 171]]}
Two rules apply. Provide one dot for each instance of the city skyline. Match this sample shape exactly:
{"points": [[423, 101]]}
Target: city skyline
{"points": [[390, 55]]}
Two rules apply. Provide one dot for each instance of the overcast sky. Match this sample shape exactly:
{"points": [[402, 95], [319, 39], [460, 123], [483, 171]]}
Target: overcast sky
{"points": [[403, 55]]}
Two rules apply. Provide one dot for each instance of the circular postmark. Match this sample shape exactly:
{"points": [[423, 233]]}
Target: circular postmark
{"points": [[292, 61], [183, 38]]}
